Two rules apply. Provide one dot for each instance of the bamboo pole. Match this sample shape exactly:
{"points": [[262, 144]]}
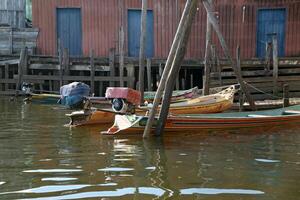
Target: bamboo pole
{"points": [[142, 50], [176, 65], [169, 62], [206, 57], [215, 25]]}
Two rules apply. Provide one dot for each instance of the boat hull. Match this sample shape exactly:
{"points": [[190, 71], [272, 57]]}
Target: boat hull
{"points": [[198, 123]]}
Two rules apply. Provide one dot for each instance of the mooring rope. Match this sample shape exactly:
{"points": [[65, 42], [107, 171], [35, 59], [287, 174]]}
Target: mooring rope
{"points": [[263, 92]]}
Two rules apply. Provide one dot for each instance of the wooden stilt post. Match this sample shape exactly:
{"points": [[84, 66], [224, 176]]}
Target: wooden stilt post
{"points": [[192, 80], [21, 65], [112, 65], [268, 56], [66, 63], [206, 57], [275, 64], [92, 63], [142, 50], [241, 101], [215, 25], [6, 76], [50, 83], [61, 67], [286, 101], [130, 74], [121, 57], [173, 50], [149, 76], [180, 53]]}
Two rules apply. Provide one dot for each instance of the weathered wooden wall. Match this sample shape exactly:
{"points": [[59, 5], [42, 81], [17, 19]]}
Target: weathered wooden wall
{"points": [[12, 13], [12, 40]]}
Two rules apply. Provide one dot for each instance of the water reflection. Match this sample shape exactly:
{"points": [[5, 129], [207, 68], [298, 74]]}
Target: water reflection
{"points": [[42, 159]]}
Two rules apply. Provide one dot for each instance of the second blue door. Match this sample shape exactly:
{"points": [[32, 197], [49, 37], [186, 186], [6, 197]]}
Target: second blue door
{"points": [[270, 22], [134, 32]]}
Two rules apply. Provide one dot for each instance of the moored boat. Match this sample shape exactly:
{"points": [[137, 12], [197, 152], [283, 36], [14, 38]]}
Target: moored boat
{"points": [[214, 103], [195, 123]]}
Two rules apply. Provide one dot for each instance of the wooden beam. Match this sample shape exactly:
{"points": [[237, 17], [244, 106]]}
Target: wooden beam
{"points": [[112, 53], [224, 46], [275, 64], [92, 72], [180, 53], [286, 101], [121, 59], [149, 75], [207, 64], [142, 50], [162, 83]]}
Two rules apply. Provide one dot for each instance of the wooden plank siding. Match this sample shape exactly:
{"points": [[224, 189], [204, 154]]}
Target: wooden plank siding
{"points": [[101, 20]]}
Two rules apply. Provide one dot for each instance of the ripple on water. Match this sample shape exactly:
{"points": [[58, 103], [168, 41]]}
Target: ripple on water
{"points": [[215, 191], [52, 170], [267, 160], [59, 179], [158, 192], [115, 169]]}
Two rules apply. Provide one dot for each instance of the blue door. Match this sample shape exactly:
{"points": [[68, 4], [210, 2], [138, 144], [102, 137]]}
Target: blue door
{"points": [[270, 22], [134, 32], [69, 30]]}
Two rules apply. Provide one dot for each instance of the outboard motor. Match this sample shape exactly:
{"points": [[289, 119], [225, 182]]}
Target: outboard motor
{"points": [[73, 95], [123, 99], [27, 88]]}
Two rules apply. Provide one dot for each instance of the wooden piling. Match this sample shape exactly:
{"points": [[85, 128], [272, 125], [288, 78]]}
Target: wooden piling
{"points": [[130, 73], [111, 59], [224, 46], [179, 56], [61, 70], [286, 101], [66, 63], [173, 50], [22, 64], [142, 50], [92, 71], [6, 76], [149, 77], [207, 55], [121, 57], [275, 65], [241, 100], [268, 56]]}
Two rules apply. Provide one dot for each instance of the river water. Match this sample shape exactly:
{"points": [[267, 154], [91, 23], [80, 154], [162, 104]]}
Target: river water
{"points": [[43, 159]]}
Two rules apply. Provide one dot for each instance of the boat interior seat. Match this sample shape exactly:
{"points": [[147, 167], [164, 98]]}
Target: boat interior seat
{"points": [[254, 115], [291, 112]]}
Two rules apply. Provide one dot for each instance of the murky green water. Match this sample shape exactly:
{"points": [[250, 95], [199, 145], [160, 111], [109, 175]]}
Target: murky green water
{"points": [[42, 159]]}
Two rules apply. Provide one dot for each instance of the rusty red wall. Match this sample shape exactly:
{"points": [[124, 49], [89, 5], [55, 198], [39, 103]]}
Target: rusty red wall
{"points": [[101, 20]]}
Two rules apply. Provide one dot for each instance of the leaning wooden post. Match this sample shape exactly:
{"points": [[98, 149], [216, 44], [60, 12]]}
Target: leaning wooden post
{"points": [[215, 25], [92, 72], [121, 57], [275, 64], [286, 101], [142, 50], [169, 62], [149, 79], [180, 53], [206, 57]]}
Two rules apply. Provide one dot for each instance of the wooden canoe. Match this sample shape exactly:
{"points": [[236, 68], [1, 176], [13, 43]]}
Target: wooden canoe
{"points": [[214, 103], [195, 123], [43, 98]]}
